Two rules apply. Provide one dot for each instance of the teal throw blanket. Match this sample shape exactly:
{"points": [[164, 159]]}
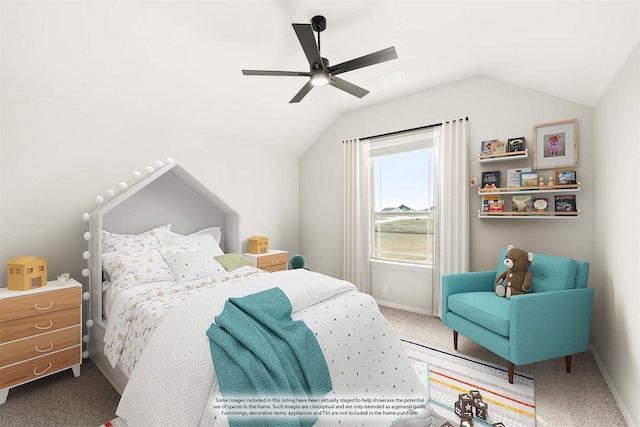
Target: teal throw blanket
{"points": [[259, 351]]}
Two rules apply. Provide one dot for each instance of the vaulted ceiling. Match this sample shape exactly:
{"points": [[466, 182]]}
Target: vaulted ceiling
{"points": [[178, 63]]}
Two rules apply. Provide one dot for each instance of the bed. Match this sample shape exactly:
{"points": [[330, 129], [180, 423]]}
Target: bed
{"points": [[165, 273]]}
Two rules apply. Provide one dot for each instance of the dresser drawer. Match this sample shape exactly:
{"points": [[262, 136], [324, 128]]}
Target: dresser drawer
{"points": [[39, 345], [36, 368], [271, 260], [278, 267], [40, 324], [38, 303]]}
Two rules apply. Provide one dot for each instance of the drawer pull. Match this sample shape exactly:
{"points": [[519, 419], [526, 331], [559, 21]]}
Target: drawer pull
{"points": [[40, 373], [43, 308], [44, 327], [44, 351]]}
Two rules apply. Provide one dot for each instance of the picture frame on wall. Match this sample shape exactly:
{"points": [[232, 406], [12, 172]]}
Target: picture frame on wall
{"points": [[555, 144]]}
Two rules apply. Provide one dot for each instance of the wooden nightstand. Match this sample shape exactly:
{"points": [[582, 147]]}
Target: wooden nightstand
{"points": [[40, 333], [271, 261]]}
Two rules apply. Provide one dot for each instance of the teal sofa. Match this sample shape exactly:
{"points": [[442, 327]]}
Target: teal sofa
{"points": [[553, 320]]}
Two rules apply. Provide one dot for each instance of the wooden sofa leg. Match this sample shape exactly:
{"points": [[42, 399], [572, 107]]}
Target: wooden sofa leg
{"points": [[511, 368], [455, 340], [567, 361]]}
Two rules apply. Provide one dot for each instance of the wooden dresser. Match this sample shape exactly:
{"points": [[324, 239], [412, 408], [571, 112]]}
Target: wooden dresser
{"points": [[40, 333], [271, 261]]}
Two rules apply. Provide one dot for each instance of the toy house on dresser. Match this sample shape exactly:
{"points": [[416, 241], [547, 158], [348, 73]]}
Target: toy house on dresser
{"points": [[26, 272]]}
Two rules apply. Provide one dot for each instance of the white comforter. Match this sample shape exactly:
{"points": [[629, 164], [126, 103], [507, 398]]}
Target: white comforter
{"points": [[174, 381]]}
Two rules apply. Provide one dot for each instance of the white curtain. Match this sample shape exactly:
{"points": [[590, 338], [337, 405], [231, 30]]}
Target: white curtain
{"points": [[355, 217], [452, 208]]}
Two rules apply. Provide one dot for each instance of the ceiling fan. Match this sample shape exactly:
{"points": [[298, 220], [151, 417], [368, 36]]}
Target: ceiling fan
{"points": [[320, 73]]}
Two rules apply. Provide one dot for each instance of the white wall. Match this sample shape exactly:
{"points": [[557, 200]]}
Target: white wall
{"points": [[617, 236], [496, 110], [607, 233], [56, 158]]}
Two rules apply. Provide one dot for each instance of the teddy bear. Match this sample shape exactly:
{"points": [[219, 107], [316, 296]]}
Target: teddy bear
{"points": [[517, 279]]}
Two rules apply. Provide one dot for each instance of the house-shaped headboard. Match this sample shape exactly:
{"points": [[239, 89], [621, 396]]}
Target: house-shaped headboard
{"points": [[168, 195]]}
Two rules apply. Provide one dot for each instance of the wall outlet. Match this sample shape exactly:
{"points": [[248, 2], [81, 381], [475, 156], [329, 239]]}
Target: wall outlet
{"points": [[384, 289]]}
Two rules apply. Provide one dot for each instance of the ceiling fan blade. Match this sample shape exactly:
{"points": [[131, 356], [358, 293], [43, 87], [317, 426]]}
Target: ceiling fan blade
{"points": [[274, 73], [364, 61], [308, 43], [348, 87], [302, 93]]}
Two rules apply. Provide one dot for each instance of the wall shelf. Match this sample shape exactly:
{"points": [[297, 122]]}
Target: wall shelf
{"points": [[503, 157], [539, 190], [529, 215], [567, 188]]}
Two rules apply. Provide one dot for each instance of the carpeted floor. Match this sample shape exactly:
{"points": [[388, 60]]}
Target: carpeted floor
{"points": [[61, 400], [581, 398]]}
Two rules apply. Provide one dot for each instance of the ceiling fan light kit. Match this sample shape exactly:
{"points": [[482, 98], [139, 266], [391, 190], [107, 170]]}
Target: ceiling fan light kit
{"points": [[320, 73], [319, 78]]}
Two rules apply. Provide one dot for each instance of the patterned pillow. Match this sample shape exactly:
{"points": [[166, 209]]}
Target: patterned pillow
{"points": [[193, 265], [112, 242], [128, 269]]}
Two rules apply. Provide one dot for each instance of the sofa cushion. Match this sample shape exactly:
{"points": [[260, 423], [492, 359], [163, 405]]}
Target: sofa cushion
{"points": [[548, 272], [484, 308]]}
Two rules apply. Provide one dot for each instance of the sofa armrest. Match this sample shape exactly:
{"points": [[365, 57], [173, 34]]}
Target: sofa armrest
{"points": [[478, 281], [551, 324]]}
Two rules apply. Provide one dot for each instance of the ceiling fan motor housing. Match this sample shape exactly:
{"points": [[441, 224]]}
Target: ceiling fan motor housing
{"points": [[318, 23]]}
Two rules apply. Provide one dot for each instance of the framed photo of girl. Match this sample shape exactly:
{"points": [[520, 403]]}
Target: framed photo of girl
{"points": [[555, 145]]}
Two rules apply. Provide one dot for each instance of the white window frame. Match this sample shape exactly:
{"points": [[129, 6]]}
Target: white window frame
{"points": [[393, 144]]}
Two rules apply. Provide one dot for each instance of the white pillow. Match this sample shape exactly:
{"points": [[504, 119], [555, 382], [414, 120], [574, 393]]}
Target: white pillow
{"points": [[112, 242], [193, 265], [207, 239]]}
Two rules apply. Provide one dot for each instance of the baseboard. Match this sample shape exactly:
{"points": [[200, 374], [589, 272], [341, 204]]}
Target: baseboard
{"points": [[612, 387], [403, 307]]}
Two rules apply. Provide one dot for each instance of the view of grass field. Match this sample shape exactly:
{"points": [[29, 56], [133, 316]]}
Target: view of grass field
{"points": [[404, 237]]}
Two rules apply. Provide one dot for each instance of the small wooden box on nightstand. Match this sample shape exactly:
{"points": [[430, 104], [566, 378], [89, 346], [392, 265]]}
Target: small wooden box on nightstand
{"points": [[271, 261], [40, 333]]}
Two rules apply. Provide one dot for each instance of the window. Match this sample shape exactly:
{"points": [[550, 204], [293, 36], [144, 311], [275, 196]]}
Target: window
{"points": [[402, 199]]}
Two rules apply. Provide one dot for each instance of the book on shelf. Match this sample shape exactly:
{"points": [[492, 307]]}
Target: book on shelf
{"points": [[565, 203], [528, 179], [541, 204], [496, 205], [485, 150], [521, 204], [513, 176], [490, 179], [488, 198], [515, 144], [498, 147], [564, 177]]}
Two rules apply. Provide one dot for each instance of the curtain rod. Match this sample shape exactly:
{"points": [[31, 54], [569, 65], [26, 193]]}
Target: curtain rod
{"points": [[408, 130]]}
